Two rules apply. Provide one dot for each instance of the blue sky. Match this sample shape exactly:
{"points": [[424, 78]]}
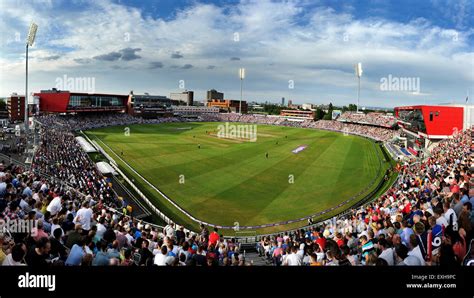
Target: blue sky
{"points": [[302, 50]]}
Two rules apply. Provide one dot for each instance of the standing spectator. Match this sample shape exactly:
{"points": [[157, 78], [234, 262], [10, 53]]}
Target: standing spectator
{"points": [[84, 217], [214, 237]]}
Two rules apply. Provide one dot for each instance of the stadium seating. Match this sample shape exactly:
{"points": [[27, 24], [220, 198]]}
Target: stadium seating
{"points": [[376, 119]]}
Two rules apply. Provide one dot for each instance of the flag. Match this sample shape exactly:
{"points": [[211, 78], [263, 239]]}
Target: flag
{"points": [[467, 99]]}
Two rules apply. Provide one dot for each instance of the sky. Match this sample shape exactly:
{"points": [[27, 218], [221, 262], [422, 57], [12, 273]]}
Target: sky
{"points": [[298, 49]]}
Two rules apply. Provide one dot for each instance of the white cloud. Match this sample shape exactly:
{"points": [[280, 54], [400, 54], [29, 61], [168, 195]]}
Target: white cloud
{"points": [[315, 47]]}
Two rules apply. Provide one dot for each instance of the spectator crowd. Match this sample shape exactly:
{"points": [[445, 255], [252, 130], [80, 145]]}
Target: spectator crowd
{"points": [[373, 132], [373, 118]]}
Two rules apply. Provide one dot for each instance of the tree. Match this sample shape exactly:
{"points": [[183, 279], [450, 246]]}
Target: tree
{"points": [[272, 109], [319, 114], [328, 116]]}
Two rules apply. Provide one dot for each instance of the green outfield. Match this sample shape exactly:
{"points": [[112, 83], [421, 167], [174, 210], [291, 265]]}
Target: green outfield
{"points": [[227, 180]]}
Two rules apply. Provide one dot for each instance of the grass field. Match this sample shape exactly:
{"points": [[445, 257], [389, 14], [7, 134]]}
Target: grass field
{"points": [[230, 180]]}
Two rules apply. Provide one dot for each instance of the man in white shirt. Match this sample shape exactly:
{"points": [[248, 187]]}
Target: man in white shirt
{"points": [[101, 228], [416, 252], [450, 216], [388, 253], [293, 258], [84, 217], [161, 257], [55, 206], [440, 220], [44, 187], [169, 230], [301, 251]]}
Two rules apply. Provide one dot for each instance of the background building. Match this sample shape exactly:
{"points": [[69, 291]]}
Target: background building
{"points": [[297, 114], [214, 94], [228, 105], [423, 125], [187, 97], [150, 106], [57, 101], [16, 107]]}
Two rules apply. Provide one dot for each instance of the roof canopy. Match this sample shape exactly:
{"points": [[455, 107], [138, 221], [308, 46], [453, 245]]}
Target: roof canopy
{"points": [[105, 168], [85, 145]]}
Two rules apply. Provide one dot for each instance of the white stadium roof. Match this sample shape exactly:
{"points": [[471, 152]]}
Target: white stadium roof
{"points": [[85, 145], [105, 168]]}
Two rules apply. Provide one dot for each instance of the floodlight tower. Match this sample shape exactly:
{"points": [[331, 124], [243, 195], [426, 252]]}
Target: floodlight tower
{"points": [[358, 72], [242, 77], [29, 42]]}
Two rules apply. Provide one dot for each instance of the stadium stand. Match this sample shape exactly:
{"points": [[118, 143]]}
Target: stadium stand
{"points": [[426, 218], [376, 119], [397, 152], [377, 133]]}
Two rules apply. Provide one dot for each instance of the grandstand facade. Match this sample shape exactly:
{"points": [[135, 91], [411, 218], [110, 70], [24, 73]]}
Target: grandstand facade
{"points": [[423, 125], [57, 101]]}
